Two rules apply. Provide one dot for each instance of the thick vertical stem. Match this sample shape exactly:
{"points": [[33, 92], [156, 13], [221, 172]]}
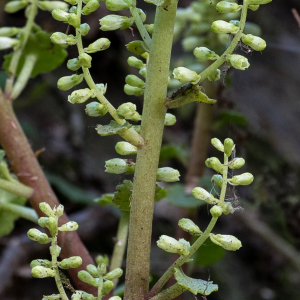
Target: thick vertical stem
{"points": [[140, 228]]}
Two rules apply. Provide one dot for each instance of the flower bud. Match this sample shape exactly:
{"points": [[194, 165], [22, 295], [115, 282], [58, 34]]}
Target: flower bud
{"points": [[101, 269], [71, 262], [62, 39], [69, 226], [185, 75], [119, 166], [217, 144], [80, 96], [115, 5], [84, 29], [9, 31], [215, 164], [189, 226], [217, 180], [255, 42], [228, 146], [41, 262], [227, 242], [42, 272], [116, 273], [135, 62], [133, 91], [14, 6], [95, 109], [167, 174], [87, 278], [126, 111], [7, 42], [171, 245], [243, 179], [102, 260], [68, 82], [216, 211], [238, 61], [134, 81], [51, 5], [107, 287], [71, 2], [224, 27], [203, 53], [73, 10], [214, 76], [253, 7], [91, 6], [52, 225], [99, 45], [115, 298], [114, 22], [46, 209], [85, 60], [227, 208], [149, 28], [170, 119], [101, 87], [143, 71], [73, 64], [60, 15], [201, 194], [142, 14], [258, 2], [74, 20], [92, 270], [124, 148], [60, 210], [225, 7], [43, 221], [236, 163], [55, 251]]}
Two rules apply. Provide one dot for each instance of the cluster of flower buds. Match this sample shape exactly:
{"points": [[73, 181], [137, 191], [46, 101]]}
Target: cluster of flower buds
{"points": [[128, 111], [171, 245]]}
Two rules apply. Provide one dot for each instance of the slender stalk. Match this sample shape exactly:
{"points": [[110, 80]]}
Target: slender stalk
{"points": [[20, 211], [224, 185], [100, 286], [140, 227], [170, 293], [16, 188]]}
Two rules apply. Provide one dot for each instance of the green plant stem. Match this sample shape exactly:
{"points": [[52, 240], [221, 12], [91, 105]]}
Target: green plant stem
{"points": [[120, 245], [224, 184], [16, 188], [21, 211], [170, 293], [142, 201], [100, 286]]}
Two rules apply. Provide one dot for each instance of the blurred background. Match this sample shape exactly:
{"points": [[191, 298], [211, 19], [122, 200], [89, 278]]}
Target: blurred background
{"points": [[258, 108]]}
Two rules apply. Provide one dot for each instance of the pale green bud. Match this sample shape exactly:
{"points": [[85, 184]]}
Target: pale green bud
{"points": [[185, 75], [201, 194], [100, 259], [149, 28], [217, 144], [101, 269], [69, 226], [67, 82], [214, 163], [73, 10], [81, 295], [228, 146], [253, 7], [77, 295], [87, 278], [84, 29], [72, 2], [236, 163], [115, 298], [114, 22], [235, 22], [133, 90], [216, 211], [60, 210], [73, 64], [227, 208], [52, 225], [99, 45], [71, 262], [217, 179], [135, 62], [7, 42], [107, 287], [50, 5], [55, 251], [92, 270], [42, 272], [227, 7], [171, 245], [214, 76], [203, 53], [224, 27], [255, 42], [14, 6], [115, 5], [116, 273], [46, 209], [143, 71], [243, 179], [74, 20], [9, 31], [238, 61], [134, 81], [258, 2], [62, 39], [90, 7], [125, 148], [80, 96], [41, 262], [95, 109], [126, 111], [142, 15], [189, 226], [185, 244], [119, 166], [227, 242], [167, 174], [170, 119], [60, 15], [85, 60], [43, 221]]}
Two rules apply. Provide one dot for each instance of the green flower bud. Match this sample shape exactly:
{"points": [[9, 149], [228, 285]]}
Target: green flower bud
{"points": [[46, 209], [50, 5], [41, 262], [171, 245], [14, 6], [116, 273], [77, 295], [214, 76], [55, 251], [114, 22], [255, 42], [227, 242], [243, 179], [203, 53], [85, 60], [42, 272], [119, 166], [68, 82], [127, 111], [107, 287], [135, 62], [90, 7], [236, 163], [134, 81], [228, 146], [189, 226], [201, 194], [52, 225], [142, 15], [62, 39], [9, 31], [143, 71], [133, 91], [74, 20], [95, 109], [224, 27], [80, 96], [101, 87], [167, 174], [6, 43], [227, 7], [258, 2], [115, 298], [217, 180], [235, 22], [137, 128], [73, 64], [217, 144], [92, 270], [99, 45], [149, 28], [87, 278], [124, 148], [215, 164], [71, 262], [43, 221], [115, 5], [73, 10], [81, 295], [84, 29], [170, 119], [216, 211], [102, 260], [238, 61], [60, 210], [227, 208], [253, 7], [60, 15], [69, 226], [185, 75], [71, 2], [101, 269]]}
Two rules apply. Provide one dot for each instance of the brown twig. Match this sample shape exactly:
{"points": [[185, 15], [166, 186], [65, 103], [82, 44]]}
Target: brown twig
{"points": [[296, 15]]}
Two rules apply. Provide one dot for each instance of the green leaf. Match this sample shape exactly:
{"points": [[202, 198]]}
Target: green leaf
{"points": [[105, 199], [122, 196], [112, 128], [137, 47], [196, 286], [160, 193]]}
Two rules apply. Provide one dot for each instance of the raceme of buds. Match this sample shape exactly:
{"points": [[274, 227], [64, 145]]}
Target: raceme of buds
{"points": [[227, 7], [38, 236], [167, 174], [9, 31], [69, 226], [84, 29], [236, 163], [214, 76], [14, 6], [217, 179], [7, 42], [258, 2], [50, 5], [227, 242], [107, 287], [73, 64], [135, 62], [203, 53], [71, 262], [80, 96], [74, 20], [134, 81], [114, 22], [171, 245], [217, 144], [67, 82], [115, 5], [125, 148], [119, 166], [255, 42], [62, 39], [216, 211], [92, 270], [42, 272], [228, 146], [186, 75], [243, 179], [170, 119], [60, 15], [238, 61], [46, 209], [116, 273], [201, 194], [224, 27], [99, 45], [189, 226], [91, 6], [133, 90], [85, 60], [215, 164], [128, 111], [87, 278], [95, 109]]}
